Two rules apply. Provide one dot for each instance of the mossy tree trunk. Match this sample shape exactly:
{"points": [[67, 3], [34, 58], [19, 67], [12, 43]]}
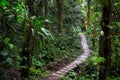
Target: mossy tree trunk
{"points": [[105, 41], [60, 15], [29, 43], [26, 52], [87, 23]]}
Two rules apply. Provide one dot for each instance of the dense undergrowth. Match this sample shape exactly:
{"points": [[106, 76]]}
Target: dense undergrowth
{"points": [[52, 51]]}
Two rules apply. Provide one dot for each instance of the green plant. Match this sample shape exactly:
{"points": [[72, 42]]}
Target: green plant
{"points": [[97, 60]]}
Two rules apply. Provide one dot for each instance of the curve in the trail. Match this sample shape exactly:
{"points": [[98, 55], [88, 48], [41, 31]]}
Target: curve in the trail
{"points": [[72, 65]]}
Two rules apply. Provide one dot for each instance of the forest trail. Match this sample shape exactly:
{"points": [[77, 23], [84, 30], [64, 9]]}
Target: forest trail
{"points": [[72, 65]]}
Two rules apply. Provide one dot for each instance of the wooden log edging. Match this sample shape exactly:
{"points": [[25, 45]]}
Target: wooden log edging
{"points": [[72, 65]]}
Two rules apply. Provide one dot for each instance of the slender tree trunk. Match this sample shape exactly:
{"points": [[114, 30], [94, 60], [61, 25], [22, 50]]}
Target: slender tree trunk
{"points": [[26, 53], [46, 8], [46, 13], [31, 7], [87, 23], [39, 9], [105, 42], [93, 36], [28, 45], [60, 15]]}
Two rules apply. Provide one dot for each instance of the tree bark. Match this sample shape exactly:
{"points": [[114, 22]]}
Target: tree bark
{"points": [[46, 13], [39, 9], [60, 15], [31, 7], [46, 8], [105, 42], [87, 24], [26, 53], [28, 45]]}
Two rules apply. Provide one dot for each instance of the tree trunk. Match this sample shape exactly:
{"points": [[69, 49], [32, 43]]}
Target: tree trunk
{"points": [[28, 45], [87, 24], [105, 42], [26, 53], [46, 13], [40, 8], [60, 15], [31, 7]]}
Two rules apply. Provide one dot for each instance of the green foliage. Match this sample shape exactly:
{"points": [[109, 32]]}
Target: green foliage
{"points": [[113, 78], [34, 71], [50, 48], [4, 3], [71, 76], [97, 60], [38, 63]]}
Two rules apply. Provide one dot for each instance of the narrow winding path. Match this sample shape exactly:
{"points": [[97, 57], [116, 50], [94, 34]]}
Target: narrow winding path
{"points": [[72, 65]]}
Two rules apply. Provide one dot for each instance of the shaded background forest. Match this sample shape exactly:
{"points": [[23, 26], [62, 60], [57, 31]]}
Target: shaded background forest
{"points": [[38, 37]]}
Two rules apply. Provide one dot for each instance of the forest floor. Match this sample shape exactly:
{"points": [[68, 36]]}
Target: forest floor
{"points": [[63, 69]]}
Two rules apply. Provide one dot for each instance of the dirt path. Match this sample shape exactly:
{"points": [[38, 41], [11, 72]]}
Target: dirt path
{"points": [[72, 65]]}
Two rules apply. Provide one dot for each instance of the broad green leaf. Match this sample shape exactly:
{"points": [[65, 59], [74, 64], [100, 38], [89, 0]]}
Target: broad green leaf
{"points": [[3, 53], [37, 23], [96, 60], [4, 3], [11, 46], [6, 40], [48, 21], [45, 31], [19, 8], [101, 33]]}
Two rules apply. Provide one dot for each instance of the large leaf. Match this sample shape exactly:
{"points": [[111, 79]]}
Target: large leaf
{"points": [[46, 32], [4, 3], [6, 40], [47, 21], [3, 53]]}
